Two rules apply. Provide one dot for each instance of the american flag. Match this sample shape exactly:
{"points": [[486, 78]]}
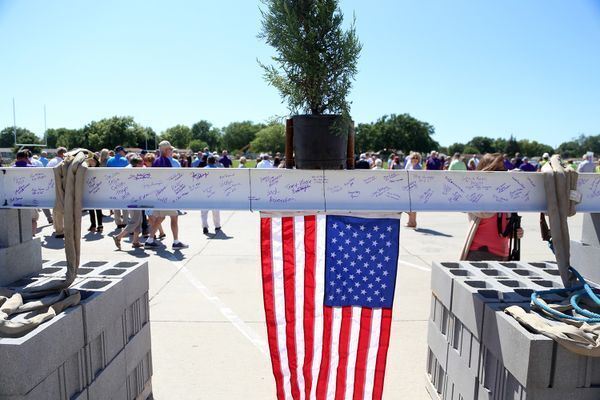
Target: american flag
{"points": [[328, 286]]}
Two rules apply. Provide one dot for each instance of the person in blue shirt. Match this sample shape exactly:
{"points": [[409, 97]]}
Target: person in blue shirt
{"points": [[119, 160], [211, 163], [44, 158]]}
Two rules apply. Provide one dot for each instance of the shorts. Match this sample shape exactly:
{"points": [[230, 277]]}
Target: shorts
{"points": [[164, 213]]}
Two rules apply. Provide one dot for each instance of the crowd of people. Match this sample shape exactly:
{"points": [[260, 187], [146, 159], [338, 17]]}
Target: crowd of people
{"points": [[458, 162], [147, 225]]}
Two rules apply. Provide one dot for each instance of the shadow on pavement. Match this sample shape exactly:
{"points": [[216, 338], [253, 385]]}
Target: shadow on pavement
{"points": [[50, 242], [92, 237], [219, 235], [432, 232]]}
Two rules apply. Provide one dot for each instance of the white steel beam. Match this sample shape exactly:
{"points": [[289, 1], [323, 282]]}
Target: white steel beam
{"points": [[295, 190]]}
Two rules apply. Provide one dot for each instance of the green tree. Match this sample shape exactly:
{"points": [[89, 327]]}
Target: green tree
{"points": [[239, 135], [7, 138], [316, 58], [204, 131], [533, 148], [396, 132], [482, 144], [269, 139], [512, 146], [179, 136], [456, 148], [197, 145], [112, 132]]}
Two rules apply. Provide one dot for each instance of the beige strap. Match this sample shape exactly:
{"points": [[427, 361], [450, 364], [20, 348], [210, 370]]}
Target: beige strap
{"points": [[578, 337], [44, 302]]}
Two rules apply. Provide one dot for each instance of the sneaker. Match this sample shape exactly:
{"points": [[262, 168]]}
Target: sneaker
{"points": [[217, 229], [205, 230], [151, 245], [180, 245]]}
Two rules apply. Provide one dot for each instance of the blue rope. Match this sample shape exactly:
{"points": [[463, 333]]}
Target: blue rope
{"points": [[575, 294]]}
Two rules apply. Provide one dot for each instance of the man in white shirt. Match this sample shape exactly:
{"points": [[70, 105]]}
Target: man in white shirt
{"points": [[265, 163], [60, 153], [587, 165]]}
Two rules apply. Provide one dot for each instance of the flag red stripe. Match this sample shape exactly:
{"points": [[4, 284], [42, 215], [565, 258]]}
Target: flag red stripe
{"points": [[309, 299], [384, 341], [344, 346], [289, 289], [326, 353], [360, 371], [269, 302]]}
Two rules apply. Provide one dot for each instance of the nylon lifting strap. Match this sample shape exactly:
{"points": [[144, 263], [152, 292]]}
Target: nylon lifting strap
{"points": [[44, 302]]}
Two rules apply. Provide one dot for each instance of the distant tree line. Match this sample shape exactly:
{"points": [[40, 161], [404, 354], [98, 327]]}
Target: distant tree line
{"points": [[389, 133]]}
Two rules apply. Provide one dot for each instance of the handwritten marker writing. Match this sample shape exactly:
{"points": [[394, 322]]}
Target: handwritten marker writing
{"points": [[138, 206]]}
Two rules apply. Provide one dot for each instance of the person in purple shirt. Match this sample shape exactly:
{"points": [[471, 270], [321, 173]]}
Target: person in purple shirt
{"points": [[507, 164], [224, 160], [156, 217], [526, 166], [22, 161], [433, 162]]}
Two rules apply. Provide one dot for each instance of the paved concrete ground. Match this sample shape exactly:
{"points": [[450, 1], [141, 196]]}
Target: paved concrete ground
{"points": [[208, 329]]}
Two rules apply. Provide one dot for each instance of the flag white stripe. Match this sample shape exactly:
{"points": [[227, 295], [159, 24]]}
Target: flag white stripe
{"points": [[372, 354], [334, 357], [279, 300], [319, 293], [300, 265], [352, 352]]}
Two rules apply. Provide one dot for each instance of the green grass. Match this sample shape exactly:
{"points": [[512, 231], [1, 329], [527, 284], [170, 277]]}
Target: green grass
{"points": [[249, 163]]}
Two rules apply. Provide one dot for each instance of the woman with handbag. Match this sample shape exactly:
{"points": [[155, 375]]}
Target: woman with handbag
{"points": [[490, 234]]}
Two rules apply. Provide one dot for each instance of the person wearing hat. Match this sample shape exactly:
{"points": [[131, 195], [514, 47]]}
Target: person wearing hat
{"points": [[543, 161], [156, 217], [526, 166], [119, 160]]}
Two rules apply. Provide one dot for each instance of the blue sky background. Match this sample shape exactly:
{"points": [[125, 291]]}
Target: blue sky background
{"points": [[469, 67]]}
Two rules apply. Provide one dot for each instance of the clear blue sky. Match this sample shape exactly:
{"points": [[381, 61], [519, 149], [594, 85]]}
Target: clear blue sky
{"points": [[469, 67]]}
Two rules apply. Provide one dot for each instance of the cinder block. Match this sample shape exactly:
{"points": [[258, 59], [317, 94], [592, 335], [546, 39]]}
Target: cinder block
{"points": [[138, 348], [10, 234], [19, 261], [462, 384], [102, 302], [590, 230], [105, 347], [435, 376], [466, 345], [25, 225], [438, 345], [527, 356], [56, 340], [133, 363], [439, 315], [136, 316], [585, 259], [110, 380]]}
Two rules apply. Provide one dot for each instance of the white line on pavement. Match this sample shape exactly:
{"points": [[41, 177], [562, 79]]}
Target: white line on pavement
{"points": [[414, 266]]}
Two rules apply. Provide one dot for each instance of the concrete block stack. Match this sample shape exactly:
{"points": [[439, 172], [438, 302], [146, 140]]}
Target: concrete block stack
{"points": [[99, 349], [477, 352], [20, 254], [586, 253]]}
